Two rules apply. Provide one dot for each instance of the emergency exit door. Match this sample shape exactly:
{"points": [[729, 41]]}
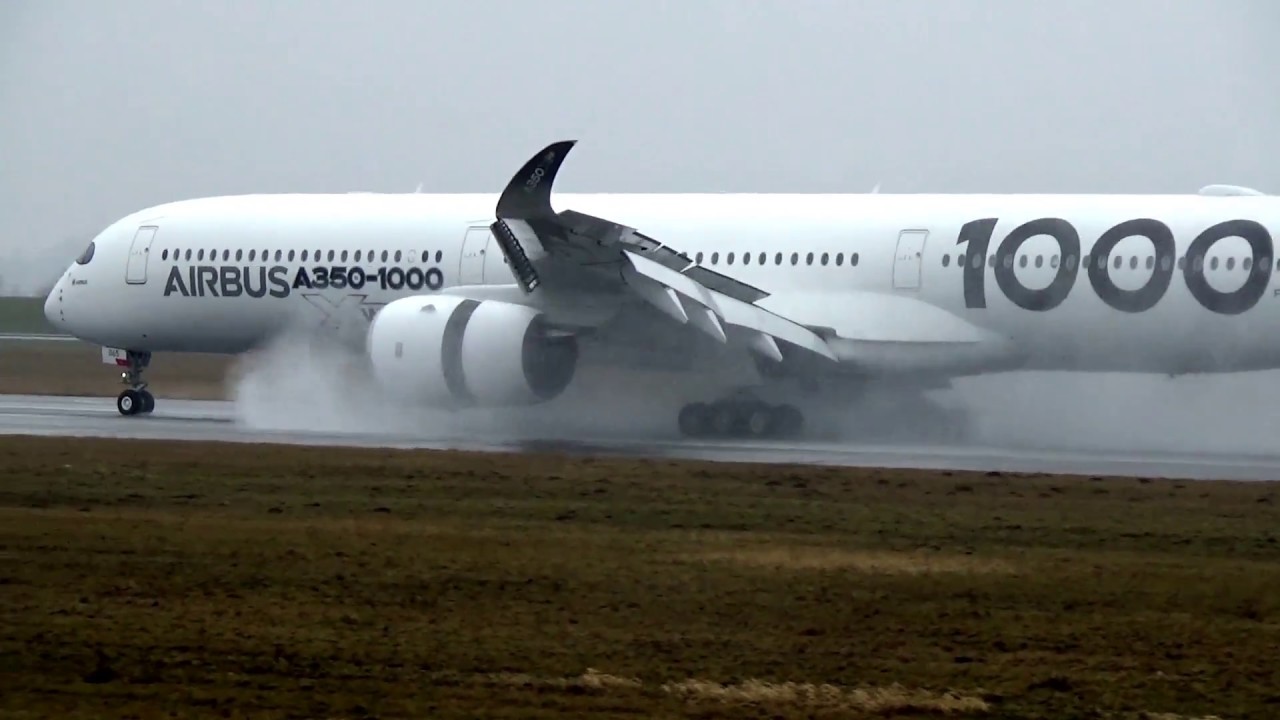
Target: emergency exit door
{"points": [[908, 259], [474, 247]]}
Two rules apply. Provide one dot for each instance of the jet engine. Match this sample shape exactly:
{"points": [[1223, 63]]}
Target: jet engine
{"points": [[449, 351]]}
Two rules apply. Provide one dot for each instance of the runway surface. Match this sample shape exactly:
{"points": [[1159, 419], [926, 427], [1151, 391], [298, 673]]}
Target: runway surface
{"points": [[216, 421], [35, 337]]}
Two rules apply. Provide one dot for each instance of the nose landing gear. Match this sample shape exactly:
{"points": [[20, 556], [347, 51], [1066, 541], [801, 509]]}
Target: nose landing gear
{"points": [[136, 400]]}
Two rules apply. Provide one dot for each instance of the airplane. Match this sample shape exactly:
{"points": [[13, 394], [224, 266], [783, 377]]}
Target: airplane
{"points": [[500, 300]]}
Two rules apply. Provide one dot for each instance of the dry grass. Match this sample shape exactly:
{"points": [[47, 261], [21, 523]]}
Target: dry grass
{"points": [[183, 580]]}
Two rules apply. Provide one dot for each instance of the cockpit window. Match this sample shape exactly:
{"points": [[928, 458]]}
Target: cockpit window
{"points": [[85, 256]]}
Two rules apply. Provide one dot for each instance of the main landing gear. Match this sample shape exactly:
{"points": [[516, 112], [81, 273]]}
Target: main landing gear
{"points": [[136, 400], [744, 417]]}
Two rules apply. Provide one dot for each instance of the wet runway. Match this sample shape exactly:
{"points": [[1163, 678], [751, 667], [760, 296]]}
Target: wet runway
{"points": [[206, 420]]}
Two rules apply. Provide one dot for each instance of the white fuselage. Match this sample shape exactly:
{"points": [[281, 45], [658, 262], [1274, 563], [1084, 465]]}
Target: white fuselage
{"points": [[223, 274]]}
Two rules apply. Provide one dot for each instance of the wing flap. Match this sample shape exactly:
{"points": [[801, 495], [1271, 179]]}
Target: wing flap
{"points": [[708, 308]]}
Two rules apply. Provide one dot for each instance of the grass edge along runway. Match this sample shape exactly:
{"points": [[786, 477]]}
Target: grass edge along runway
{"points": [[159, 579]]}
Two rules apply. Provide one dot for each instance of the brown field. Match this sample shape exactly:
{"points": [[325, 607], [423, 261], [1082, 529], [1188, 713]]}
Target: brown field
{"points": [[151, 580], [72, 368]]}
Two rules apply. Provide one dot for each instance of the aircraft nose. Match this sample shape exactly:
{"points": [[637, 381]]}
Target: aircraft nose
{"points": [[53, 308]]}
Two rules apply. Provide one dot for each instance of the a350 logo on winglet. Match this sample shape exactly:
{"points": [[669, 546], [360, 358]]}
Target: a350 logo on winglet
{"points": [[977, 234]]}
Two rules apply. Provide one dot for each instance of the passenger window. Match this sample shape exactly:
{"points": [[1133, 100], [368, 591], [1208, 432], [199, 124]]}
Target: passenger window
{"points": [[1039, 261], [1182, 263], [715, 258], [1022, 261], [1213, 264], [304, 256], [795, 258], [761, 260], [777, 259], [1231, 263], [946, 260], [384, 256], [1151, 262], [808, 259], [839, 259], [824, 258], [291, 256], [279, 255], [991, 261], [164, 255], [331, 256], [729, 259], [200, 255], [1053, 261], [1246, 264], [226, 255], [439, 255], [1118, 261], [357, 258], [252, 255], [397, 256], [1071, 262], [853, 259], [239, 255], [746, 258], [698, 258]]}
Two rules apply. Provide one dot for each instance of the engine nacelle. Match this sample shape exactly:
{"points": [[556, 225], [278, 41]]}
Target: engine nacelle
{"points": [[450, 351]]}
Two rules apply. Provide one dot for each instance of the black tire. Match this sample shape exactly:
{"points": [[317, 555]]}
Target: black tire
{"points": [[787, 421], [694, 420], [724, 420], [759, 421], [148, 402], [130, 402]]}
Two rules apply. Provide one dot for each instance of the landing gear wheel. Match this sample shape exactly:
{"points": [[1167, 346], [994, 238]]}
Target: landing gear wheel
{"points": [[787, 421], [695, 420], [758, 421], [751, 419], [724, 420], [130, 402], [136, 400]]}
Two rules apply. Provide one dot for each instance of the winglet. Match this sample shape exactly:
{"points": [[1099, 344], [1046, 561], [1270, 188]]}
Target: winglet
{"points": [[529, 192]]}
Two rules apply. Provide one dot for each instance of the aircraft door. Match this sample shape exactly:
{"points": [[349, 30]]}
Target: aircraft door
{"points": [[136, 271], [474, 248], [908, 258]]}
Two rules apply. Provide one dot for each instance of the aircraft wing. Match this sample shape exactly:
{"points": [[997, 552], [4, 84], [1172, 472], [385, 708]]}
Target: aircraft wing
{"points": [[570, 248]]}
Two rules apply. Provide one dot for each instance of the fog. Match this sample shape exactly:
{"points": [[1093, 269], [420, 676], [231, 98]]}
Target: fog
{"points": [[106, 108]]}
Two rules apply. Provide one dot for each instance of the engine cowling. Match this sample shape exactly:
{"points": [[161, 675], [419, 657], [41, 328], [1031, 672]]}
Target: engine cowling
{"points": [[445, 350]]}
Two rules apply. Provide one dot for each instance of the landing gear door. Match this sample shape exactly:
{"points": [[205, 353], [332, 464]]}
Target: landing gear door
{"points": [[139, 251], [474, 248]]}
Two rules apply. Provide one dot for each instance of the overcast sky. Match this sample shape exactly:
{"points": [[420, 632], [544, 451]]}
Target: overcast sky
{"points": [[108, 107]]}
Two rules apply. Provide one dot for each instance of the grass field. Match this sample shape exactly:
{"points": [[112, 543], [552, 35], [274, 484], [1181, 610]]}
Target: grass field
{"points": [[72, 368], [23, 315], [180, 580]]}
